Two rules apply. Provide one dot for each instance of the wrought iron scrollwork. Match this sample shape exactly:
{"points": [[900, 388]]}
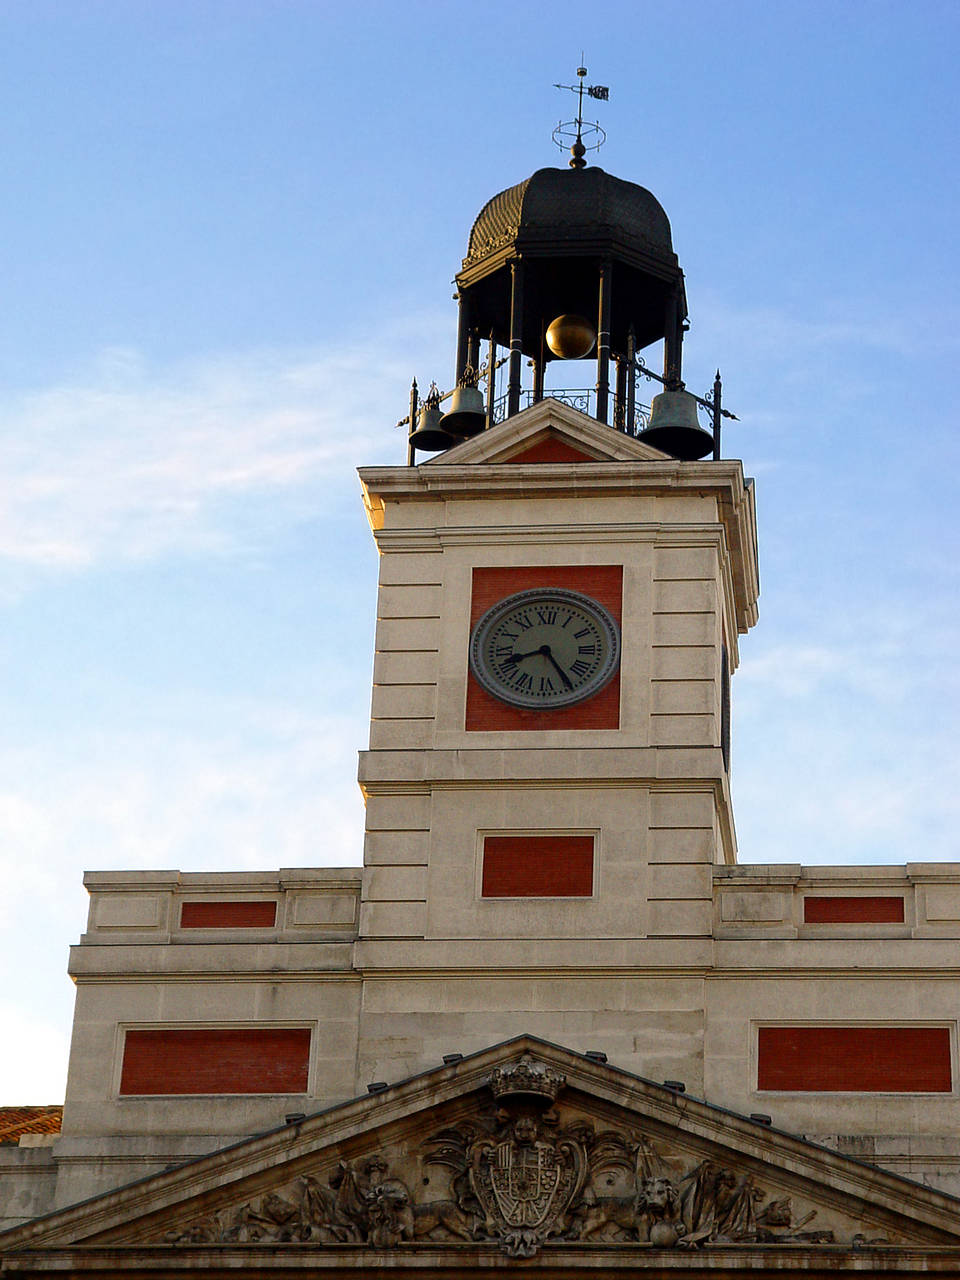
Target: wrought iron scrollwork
{"points": [[584, 399]]}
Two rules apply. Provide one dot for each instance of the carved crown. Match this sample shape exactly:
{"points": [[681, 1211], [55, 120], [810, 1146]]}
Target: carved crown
{"points": [[527, 1077]]}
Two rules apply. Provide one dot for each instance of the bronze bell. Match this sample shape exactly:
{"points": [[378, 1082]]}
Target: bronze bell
{"points": [[430, 435], [571, 337], [675, 429], [467, 415]]}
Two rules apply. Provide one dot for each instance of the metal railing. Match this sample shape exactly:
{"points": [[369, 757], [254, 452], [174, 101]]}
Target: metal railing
{"points": [[584, 399]]}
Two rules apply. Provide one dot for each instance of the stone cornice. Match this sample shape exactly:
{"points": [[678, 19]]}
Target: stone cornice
{"points": [[723, 481], [220, 1262], [554, 479], [418, 771], [666, 535]]}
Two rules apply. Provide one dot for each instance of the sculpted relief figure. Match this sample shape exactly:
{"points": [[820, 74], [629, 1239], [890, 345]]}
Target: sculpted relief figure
{"points": [[361, 1204], [629, 1196], [517, 1175], [520, 1181], [718, 1204], [525, 1180], [364, 1205]]}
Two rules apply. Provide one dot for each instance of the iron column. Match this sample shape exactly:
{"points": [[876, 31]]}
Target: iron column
{"points": [[603, 342], [516, 337]]}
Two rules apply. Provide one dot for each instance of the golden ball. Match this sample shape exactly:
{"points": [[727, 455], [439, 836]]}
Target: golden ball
{"points": [[571, 337]]}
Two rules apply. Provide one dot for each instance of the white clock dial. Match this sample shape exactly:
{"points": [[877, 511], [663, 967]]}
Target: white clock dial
{"points": [[545, 648]]}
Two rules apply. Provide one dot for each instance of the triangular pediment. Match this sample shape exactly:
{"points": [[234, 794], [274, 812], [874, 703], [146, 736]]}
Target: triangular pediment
{"points": [[548, 432], [526, 1149]]}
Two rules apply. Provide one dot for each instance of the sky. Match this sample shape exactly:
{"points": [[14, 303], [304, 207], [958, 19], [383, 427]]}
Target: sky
{"points": [[227, 240]]}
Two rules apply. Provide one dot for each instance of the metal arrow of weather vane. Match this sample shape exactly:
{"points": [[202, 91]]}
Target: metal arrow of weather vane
{"points": [[564, 135]]}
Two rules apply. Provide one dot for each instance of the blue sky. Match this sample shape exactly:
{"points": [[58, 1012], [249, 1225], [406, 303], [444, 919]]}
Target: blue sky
{"points": [[227, 239]]}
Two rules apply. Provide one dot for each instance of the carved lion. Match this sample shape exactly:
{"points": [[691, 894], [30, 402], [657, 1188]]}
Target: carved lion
{"points": [[608, 1217], [445, 1216]]}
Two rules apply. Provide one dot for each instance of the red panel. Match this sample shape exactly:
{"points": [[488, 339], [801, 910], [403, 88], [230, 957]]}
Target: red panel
{"points": [[851, 910], [551, 450], [216, 1060], [603, 583], [537, 866], [228, 915], [855, 1059]]}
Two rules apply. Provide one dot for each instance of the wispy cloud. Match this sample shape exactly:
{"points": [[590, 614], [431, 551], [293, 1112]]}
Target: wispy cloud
{"points": [[268, 787], [782, 334], [837, 794], [842, 751], [130, 462]]}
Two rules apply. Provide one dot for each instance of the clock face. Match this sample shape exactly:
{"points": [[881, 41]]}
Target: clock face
{"points": [[545, 648]]}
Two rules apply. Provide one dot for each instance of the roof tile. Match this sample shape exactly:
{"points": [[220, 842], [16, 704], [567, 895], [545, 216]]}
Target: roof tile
{"points": [[17, 1120]]}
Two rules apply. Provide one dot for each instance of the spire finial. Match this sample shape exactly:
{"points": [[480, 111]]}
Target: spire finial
{"points": [[577, 129]]}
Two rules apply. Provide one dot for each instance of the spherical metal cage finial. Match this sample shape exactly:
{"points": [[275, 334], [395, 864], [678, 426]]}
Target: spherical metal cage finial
{"points": [[578, 137]]}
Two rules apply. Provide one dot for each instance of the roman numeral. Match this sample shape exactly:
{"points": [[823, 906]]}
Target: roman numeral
{"points": [[522, 620], [584, 631], [579, 668], [547, 616], [590, 649]]}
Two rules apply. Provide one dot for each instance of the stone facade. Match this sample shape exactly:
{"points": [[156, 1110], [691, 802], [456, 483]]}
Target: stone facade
{"points": [[821, 999]]}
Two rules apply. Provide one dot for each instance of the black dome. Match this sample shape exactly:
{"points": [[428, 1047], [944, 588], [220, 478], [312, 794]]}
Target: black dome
{"points": [[576, 206], [540, 249]]}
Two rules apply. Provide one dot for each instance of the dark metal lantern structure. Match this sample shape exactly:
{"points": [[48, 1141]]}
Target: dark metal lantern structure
{"points": [[578, 244], [571, 263]]}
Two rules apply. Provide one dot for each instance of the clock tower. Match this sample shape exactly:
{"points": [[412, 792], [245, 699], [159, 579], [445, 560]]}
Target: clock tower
{"points": [[562, 589], [551, 1012]]}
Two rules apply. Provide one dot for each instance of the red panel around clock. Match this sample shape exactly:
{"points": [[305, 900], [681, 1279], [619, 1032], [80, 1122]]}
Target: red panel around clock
{"points": [[603, 583]]}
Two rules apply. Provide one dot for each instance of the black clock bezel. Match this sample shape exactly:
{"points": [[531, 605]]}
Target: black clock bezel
{"points": [[600, 616]]}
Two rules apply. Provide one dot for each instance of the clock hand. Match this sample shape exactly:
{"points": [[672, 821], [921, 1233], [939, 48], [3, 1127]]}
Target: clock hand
{"points": [[518, 657], [545, 650]]}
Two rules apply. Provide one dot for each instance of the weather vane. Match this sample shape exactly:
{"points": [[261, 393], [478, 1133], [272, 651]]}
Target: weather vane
{"points": [[570, 134]]}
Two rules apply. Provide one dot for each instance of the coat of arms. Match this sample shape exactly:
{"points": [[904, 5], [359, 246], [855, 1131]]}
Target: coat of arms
{"points": [[523, 1177], [524, 1180]]}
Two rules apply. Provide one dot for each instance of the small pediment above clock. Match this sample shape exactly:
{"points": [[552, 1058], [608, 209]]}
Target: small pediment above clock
{"points": [[550, 448], [548, 432]]}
